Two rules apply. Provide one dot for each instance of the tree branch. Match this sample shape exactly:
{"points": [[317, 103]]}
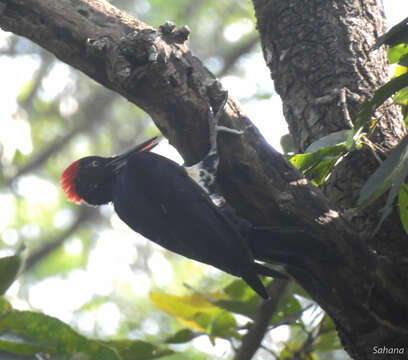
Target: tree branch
{"points": [[85, 214], [46, 62], [156, 71], [236, 52], [94, 110], [319, 57], [253, 338]]}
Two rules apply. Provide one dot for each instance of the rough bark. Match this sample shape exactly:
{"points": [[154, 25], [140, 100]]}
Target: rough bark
{"points": [[363, 293], [314, 49], [319, 54]]}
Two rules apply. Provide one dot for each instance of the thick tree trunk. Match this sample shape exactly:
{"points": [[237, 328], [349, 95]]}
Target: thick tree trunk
{"points": [[364, 294], [319, 54]]}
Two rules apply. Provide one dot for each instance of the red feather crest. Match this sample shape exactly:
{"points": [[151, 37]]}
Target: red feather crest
{"points": [[68, 182]]}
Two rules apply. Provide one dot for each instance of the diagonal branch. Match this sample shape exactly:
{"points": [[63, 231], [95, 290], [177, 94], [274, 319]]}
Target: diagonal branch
{"points": [[253, 338], [46, 63], [156, 71], [231, 57], [39, 159], [85, 214], [94, 110]]}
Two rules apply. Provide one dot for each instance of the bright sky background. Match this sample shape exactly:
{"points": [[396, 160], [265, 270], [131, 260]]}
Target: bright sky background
{"points": [[54, 295]]}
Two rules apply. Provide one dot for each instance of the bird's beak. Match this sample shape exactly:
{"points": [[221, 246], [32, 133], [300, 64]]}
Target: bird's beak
{"points": [[121, 160]]}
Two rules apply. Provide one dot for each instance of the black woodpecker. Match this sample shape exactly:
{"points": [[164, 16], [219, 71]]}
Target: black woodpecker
{"points": [[156, 198]]}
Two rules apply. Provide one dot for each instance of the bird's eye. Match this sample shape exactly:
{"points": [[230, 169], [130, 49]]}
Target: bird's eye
{"points": [[95, 163]]}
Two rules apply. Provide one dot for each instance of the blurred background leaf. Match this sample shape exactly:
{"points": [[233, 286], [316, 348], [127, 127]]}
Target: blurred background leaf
{"points": [[84, 267], [9, 268]]}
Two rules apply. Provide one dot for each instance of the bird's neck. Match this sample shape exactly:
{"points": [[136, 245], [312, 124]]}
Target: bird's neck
{"points": [[98, 195]]}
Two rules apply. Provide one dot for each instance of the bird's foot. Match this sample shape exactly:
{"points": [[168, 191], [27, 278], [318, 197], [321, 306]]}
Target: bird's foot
{"points": [[220, 128], [215, 128], [204, 172]]}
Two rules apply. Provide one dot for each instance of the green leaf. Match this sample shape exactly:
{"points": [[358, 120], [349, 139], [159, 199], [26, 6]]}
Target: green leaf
{"points": [[138, 350], [401, 97], [238, 290], [318, 165], [391, 173], [334, 138], [328, 325], [243, 307], [403, 206], [290, 310], [195, 311], [305, 162], [9, 268], [400, 70], [368, 107], [223, 326], [396, 35], [328, 342], [298, 290], [29, 333], [403, 61], [395, 53], [387, 209], [321, 171], [4, 305], [241, 299], [293, 351], [288, 306], [181, 336]]}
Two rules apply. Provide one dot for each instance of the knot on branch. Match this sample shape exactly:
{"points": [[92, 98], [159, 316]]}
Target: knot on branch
{"points": [[172, 35], [98, 47], [140, 46]]}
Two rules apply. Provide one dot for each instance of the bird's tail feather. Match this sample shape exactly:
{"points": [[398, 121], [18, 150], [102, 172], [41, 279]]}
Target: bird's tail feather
{"points": [[255, 283]]}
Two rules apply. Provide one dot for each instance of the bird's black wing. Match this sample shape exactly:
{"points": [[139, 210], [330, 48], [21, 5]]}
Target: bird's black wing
{"points": [[156, 198]]}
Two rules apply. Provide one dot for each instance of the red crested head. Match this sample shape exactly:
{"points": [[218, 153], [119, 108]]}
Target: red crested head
{"points": [[68, 182], [91, 178]]}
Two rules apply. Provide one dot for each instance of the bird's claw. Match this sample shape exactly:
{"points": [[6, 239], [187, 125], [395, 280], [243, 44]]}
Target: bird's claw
{"points": [[214, 128], [220, 128], [204, 172]]}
